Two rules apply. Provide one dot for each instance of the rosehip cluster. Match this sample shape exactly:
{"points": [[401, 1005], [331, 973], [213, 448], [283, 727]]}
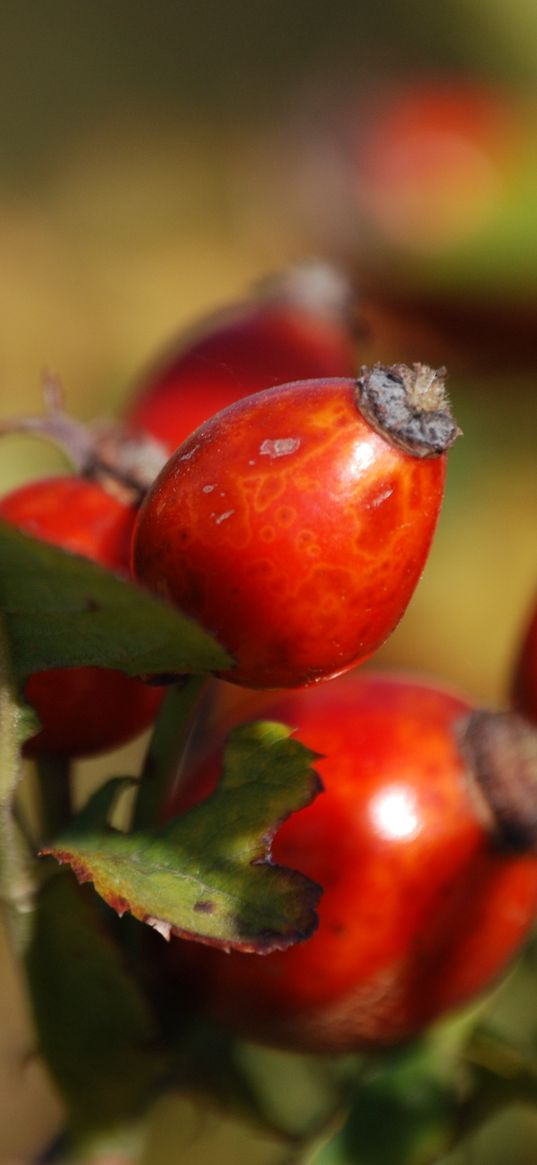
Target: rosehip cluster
{"points": [[428, 888], [294, 525]]}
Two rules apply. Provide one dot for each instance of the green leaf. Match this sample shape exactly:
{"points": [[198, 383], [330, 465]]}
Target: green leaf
{"points": [[94, 1027], [208, 874], [61, 610]]}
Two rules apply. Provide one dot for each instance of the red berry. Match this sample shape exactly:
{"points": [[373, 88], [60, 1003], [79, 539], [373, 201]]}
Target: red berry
{"points": [[435, 161], [423, 905], [299, 330], [87, 709], [295, 529]]}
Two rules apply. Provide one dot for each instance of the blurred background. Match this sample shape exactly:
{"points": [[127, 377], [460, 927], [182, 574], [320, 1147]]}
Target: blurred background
{"points": [[157, 159]]}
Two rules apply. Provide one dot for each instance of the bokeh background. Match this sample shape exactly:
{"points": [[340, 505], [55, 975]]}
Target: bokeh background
{"points": [[156, 160]]}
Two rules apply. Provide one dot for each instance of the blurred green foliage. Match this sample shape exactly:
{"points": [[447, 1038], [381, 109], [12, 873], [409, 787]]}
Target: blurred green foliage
{"points": [[66, 65]]}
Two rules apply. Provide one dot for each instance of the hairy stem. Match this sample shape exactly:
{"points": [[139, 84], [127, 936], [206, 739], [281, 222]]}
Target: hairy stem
{"points": [[17, 870]]}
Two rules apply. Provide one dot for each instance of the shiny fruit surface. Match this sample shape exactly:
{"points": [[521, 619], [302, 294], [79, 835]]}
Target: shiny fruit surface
{"points": [[82, 710], [421, 910], [293, 529], [254, 346]]}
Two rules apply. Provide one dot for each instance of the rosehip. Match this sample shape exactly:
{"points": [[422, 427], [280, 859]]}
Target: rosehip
{"points": [[414, 841], [298, 328], [295, 524], [434, 163], [82, 710]]}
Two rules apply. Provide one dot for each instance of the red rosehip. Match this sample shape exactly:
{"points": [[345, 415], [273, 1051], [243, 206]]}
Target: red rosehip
{"points": [[434, 163], [426, 898], [299, 328], [524, 682], [82, 710], [295, 524]]}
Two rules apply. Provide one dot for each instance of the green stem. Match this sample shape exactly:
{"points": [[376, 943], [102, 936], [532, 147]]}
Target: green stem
{"points": [[17, 878], [501, 1076], [17, 869], [173, 729], [505, 1069], [54, 780]]}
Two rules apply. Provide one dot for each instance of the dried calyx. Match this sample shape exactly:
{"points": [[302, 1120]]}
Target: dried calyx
{"points": [[123, 464], [408, 406], [312, 284], [500, 752]]}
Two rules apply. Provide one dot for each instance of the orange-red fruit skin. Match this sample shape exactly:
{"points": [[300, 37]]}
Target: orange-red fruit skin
{"points": [[420, 911], [82, 710], [292, 531], [255, 347]]}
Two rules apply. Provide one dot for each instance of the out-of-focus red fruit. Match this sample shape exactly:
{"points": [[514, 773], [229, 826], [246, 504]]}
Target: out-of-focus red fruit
{"points": [[426, 898], [295, 524], [82, 710], [434, 161], [298, 327]]}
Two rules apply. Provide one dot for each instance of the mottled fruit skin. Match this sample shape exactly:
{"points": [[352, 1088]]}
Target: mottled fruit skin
{"points": [[240, 352], [421, 911], [82, 710], [292, 531], [524, 681]]}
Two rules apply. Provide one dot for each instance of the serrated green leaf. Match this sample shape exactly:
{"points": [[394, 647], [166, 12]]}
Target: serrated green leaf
{"points": [[61, 610], [94, 1027], [208, 874]]}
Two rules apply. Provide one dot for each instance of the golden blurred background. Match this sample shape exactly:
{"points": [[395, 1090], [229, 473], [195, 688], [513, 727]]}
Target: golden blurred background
{"points": [[156, 159]]}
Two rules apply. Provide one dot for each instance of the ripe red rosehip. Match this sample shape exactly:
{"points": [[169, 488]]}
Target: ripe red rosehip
{"points": [[295, 524], [82, 710], [524, 682], [299, 329], [423, 905], [434, 164]]}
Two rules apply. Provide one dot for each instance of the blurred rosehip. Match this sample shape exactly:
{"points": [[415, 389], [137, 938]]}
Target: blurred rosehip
{"points": [[299, 326], [82, 710]]}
